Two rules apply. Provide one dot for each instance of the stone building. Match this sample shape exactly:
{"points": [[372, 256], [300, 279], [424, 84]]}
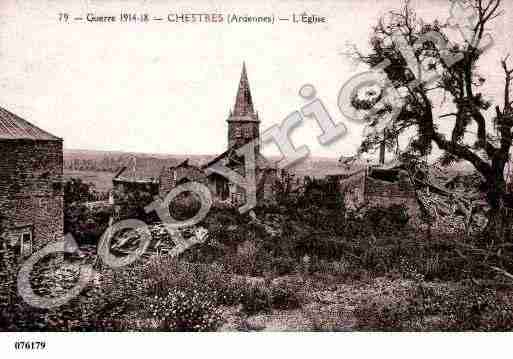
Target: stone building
{"points": [[148, 177], [184, 172], [31, 191], [138, 183], [363, 184], [243, 127]]}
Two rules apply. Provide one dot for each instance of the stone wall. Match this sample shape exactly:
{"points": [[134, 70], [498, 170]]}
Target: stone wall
{"points": [[382, 193], [241, 132], [171, 177], [31, 191]]}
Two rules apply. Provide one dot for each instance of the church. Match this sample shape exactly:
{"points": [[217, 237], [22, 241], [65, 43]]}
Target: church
{"points": [[243, 126]]}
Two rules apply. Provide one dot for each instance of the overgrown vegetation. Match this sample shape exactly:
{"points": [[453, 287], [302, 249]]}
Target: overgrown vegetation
{"points": [[279, 260], [461, 307]]}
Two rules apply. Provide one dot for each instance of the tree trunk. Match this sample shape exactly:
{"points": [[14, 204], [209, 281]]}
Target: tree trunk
{"points": [[382, 149], [499, 216]]}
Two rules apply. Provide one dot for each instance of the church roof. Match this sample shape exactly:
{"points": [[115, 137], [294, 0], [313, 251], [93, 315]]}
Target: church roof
{"points": [[230, 155], [13, 127], [243, 109]]}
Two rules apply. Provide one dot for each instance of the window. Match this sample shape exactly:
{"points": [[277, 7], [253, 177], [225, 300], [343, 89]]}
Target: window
{"points": [[26, 244], [247, 132], [21, 241], [237, 132], [57, 186]]}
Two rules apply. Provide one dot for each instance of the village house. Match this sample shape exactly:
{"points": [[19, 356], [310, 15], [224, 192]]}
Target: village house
{"points": [[31, 191], [143, 178]]}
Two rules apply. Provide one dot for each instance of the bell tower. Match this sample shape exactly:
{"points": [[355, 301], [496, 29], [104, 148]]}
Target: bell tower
{"points": [[243, 123]]}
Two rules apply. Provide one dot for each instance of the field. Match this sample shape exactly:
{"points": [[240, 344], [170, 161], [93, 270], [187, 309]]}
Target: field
{"points": [[102, 180]]}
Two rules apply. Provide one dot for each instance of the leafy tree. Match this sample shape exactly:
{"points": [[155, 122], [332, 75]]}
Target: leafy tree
{"points": [[77, 191], [85, 224], [132, 203], [406, 44]]}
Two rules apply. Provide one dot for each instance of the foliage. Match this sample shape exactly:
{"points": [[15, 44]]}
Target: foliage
{"points": [[186, 310], [85, 224], [77, 191], [455, 67], [385, 219], [262, 297], [133, 200], [461, 308], [184, 206]]}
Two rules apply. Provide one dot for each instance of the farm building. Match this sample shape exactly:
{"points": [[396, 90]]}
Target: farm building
{"points": [[31, 193]]}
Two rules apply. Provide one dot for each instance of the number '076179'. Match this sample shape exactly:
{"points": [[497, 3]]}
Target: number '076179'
{"points": [[21, 345]]}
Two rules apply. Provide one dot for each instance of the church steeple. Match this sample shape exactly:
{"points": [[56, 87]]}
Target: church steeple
{"points": [[243, 101], [243, 122]]}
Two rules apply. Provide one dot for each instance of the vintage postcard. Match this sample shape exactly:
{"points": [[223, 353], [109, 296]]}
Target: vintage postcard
{"points": [[254, 166]]}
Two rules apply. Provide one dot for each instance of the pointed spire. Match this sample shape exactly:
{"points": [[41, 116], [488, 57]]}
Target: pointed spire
{"points": [[243, 101]]}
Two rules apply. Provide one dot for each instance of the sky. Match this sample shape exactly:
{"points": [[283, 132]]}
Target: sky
{"points": [[168, 88]]}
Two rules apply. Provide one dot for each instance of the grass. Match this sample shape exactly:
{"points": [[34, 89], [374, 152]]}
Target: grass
{"points": [[102, 180]]}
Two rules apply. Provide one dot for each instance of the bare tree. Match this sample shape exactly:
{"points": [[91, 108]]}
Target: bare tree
{"points": [[458, 81]]}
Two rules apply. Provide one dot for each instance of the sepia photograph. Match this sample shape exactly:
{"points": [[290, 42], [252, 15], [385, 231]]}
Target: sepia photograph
{"points": [[255, 167]]}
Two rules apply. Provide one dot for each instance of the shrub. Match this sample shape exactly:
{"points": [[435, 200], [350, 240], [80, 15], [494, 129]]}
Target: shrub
{"points": [[283, 265], [463, 308], [186, 310], [264, 297], [86, 225], [390, 218], [256, 299], [184, 206], [285, 296]]}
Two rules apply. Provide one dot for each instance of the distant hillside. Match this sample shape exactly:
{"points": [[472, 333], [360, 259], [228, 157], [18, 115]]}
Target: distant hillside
{"points": [[112, 161]]}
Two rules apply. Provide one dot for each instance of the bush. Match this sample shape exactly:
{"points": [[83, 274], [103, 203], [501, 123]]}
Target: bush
{"points": [[184, 206], [86, 225], [186, 310], [264, 297], [285, 296], [439, 308], [256, 299]]}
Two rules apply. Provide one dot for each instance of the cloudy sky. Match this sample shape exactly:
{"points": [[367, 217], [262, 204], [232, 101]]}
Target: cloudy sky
{"points": [[168, 88]]}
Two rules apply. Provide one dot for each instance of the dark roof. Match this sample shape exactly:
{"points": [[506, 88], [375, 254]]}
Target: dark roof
{"points": [[261, 161], [243, 101], [13, 127], [243, 110], [145, 169], [344, 170]]}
